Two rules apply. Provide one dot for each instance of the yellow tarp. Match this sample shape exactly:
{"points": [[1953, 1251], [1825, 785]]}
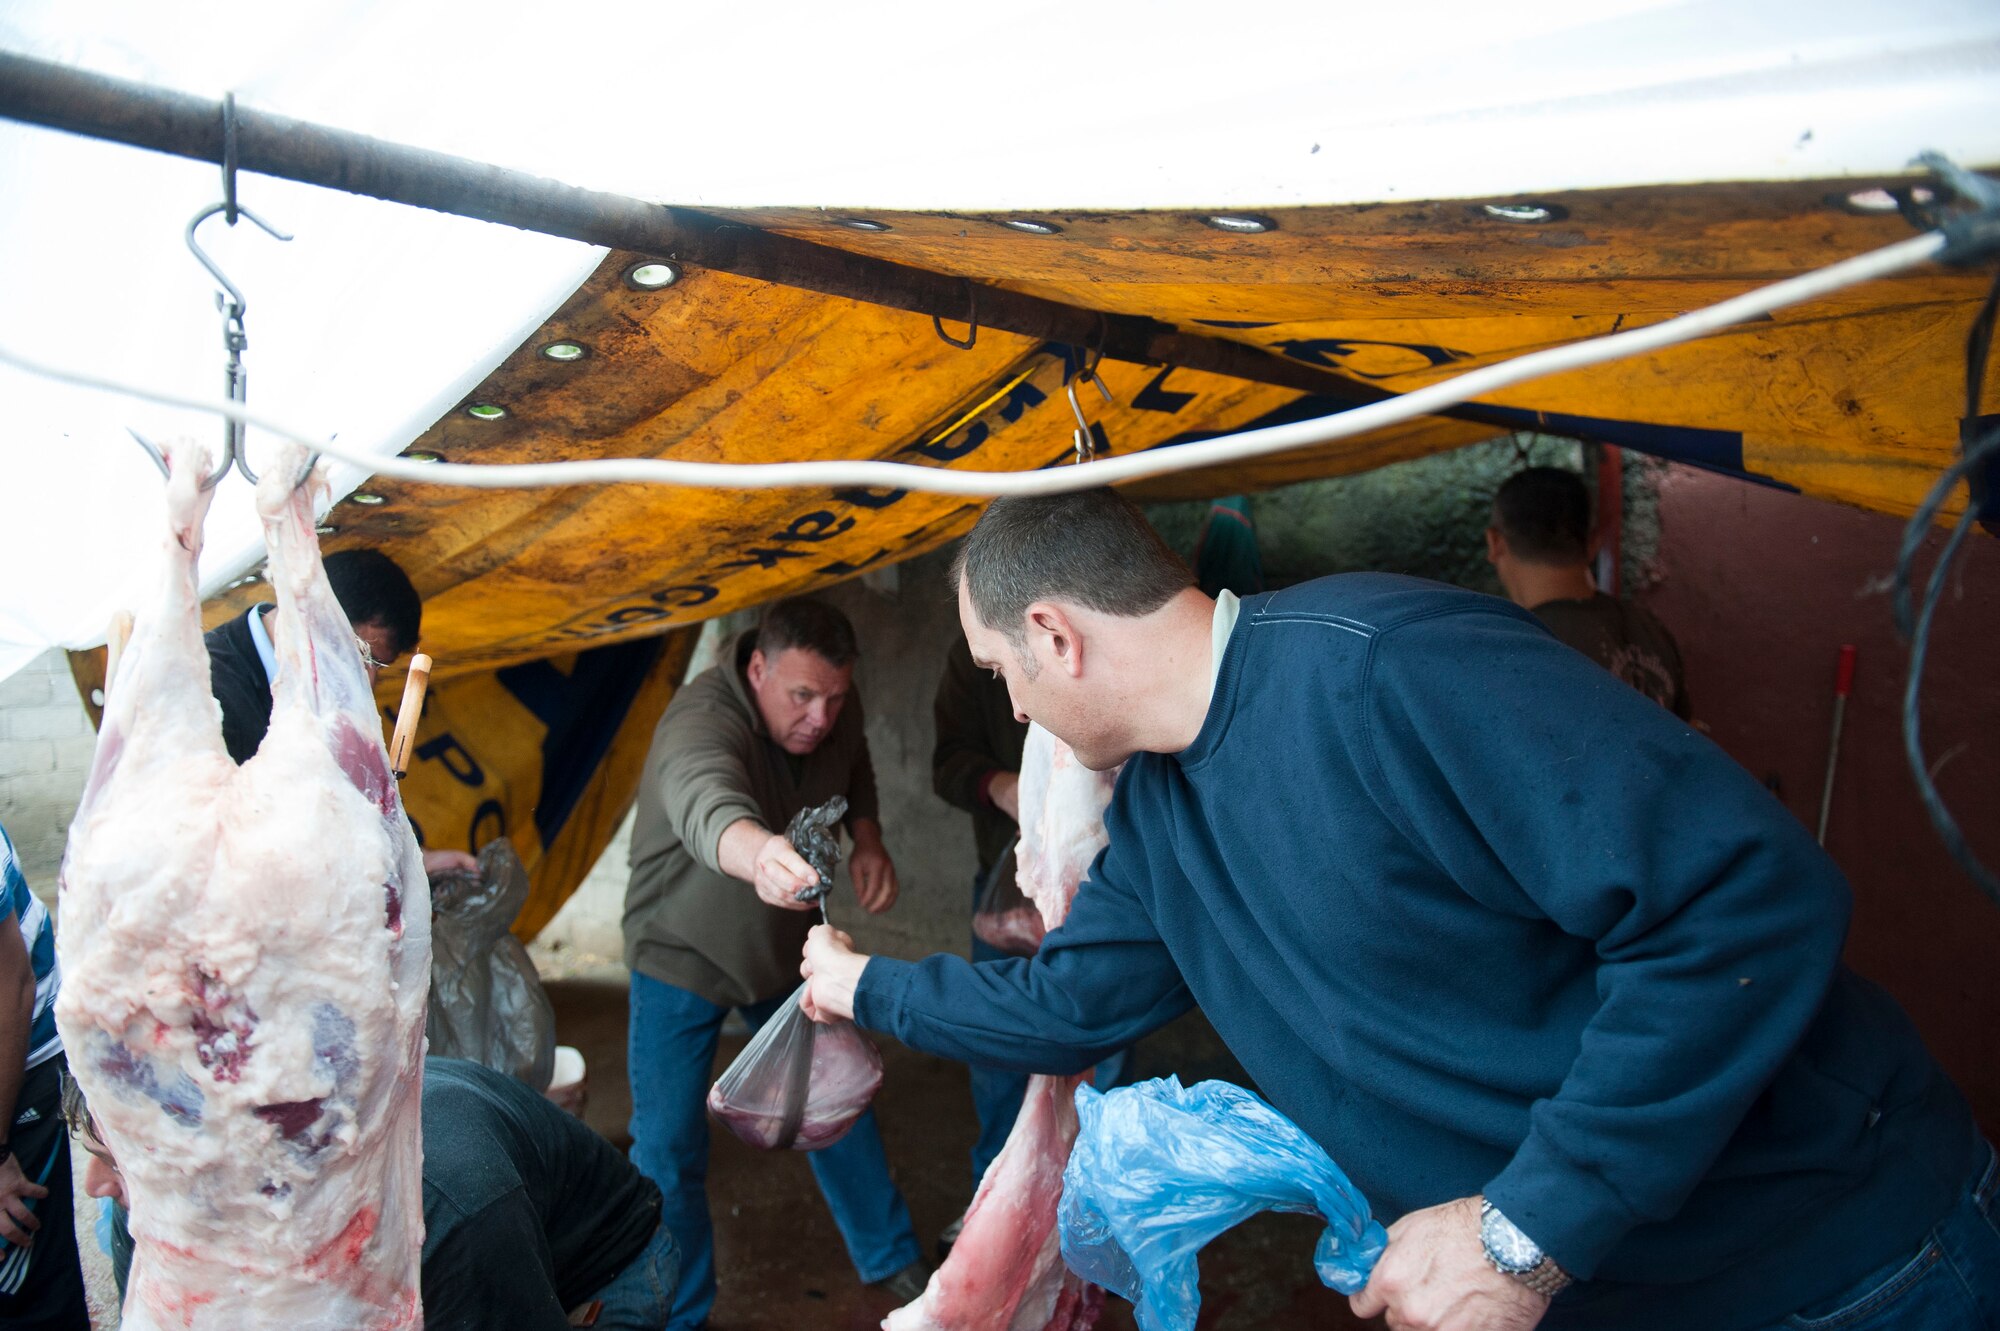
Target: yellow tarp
{"points": [[1855, 398]]}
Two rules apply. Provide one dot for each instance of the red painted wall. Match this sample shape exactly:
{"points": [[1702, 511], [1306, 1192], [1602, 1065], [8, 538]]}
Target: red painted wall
{"points": [[1761, 588]]}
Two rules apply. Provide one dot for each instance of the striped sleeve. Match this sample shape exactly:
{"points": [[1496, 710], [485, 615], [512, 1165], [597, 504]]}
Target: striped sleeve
{"points": [[38, 932]]}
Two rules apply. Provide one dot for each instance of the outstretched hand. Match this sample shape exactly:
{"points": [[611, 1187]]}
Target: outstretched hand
{"points": [[780, 873], [1434, 1276]]}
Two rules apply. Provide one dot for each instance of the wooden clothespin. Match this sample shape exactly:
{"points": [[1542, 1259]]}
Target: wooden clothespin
{"points": [[407, 715]]}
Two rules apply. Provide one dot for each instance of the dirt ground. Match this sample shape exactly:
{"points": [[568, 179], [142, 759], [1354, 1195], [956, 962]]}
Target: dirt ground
{"points": [[778, 1257]]}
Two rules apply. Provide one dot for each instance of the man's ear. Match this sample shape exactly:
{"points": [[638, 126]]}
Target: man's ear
{"points": [[1496, 545], [1053, 639], [755, 672]]}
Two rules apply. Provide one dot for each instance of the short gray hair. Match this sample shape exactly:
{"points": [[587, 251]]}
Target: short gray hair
{"points": [[1092, 548], [814, 626]]}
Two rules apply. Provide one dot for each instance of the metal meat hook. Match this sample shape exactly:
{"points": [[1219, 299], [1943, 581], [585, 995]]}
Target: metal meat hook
{"points": [[230, 301], [1086, 441], [236, 302], [160, 460]]}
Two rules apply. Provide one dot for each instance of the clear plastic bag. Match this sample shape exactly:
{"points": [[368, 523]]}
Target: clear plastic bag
{"points": [[1005, 919], [1159, 1169], [487, 1003], [798, 1083]]}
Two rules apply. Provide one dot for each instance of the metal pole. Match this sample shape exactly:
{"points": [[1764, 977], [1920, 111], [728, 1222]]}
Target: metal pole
{"points": [[95, 105]]}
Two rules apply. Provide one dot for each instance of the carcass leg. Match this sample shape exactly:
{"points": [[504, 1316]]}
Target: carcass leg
{"points": [[1006, 1272]]}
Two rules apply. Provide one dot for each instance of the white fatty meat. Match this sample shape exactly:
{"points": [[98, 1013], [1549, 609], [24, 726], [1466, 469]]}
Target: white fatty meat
{"points": [[1005, 1271], [1062, 822], [246, 953]]}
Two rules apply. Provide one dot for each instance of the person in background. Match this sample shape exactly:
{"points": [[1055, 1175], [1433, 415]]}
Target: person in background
{"points": [[1541, 543], [1226, 553], [713, 920], [387, 617], [41, 1281], [1547, 973], [529, 1216]]}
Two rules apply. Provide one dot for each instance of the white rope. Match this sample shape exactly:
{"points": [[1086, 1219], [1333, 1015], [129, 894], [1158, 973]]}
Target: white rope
{"points": [[1154, 462]]}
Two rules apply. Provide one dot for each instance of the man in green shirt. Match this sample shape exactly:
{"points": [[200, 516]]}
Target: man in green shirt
{"points": [[713, 921]]}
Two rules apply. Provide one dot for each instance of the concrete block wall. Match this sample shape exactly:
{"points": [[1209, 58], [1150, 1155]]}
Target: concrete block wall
{"points": [[46, 742]]}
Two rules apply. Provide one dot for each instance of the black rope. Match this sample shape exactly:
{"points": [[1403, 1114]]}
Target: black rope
{"points": [[1976, 449]]}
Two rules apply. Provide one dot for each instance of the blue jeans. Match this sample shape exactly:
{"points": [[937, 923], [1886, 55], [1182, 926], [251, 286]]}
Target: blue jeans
{"points": [[1952, 1281], [671, 1042], [997, 1092], [641, 1297]]}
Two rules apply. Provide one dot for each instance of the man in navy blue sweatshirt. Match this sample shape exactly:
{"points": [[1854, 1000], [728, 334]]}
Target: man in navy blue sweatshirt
{"points": [[1550, 976]]}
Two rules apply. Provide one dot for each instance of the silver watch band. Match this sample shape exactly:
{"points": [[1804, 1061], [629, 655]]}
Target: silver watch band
{"points": [[1507, 1248], [1547, 1279]]}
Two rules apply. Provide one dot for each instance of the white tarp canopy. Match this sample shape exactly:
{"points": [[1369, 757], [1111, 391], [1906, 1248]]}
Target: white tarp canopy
{"points": [[377, 318]]}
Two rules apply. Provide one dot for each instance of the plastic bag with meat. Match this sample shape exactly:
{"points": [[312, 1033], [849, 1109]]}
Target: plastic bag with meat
{"points": [[798, 1083]]}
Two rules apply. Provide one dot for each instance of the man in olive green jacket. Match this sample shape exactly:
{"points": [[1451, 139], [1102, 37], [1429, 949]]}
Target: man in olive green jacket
{"points": [[713, 920]]}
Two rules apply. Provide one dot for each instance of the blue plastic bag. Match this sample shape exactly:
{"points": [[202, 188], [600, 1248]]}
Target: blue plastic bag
{"points": [[1159, 1169]]}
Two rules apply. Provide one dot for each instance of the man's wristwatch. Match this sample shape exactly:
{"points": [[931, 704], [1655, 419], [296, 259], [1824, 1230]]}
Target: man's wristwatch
{"points": [[1514, 1254]]}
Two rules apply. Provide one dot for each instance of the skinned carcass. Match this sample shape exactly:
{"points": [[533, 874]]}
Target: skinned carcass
{"points": [[1005, 1271], [1062, 821], [246, 954]]}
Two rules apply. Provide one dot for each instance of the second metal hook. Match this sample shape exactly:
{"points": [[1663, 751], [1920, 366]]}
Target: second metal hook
{"points": [[235, 296], [1085, 438], [160, 460], [971, 319]]}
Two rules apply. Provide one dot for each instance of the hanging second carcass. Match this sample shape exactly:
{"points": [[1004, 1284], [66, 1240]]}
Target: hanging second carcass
{"points": [[1005, 1271], [246, 953]]}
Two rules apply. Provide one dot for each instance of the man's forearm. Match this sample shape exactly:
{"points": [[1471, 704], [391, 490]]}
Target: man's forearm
{"points": [[17, 1014], [737, 850], [1014, 1013]]}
